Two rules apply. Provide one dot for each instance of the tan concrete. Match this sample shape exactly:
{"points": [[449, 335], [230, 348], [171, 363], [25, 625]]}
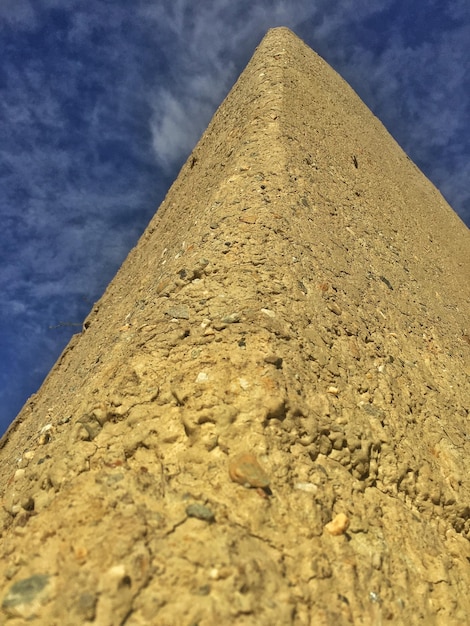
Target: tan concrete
{"points": [[298, 312]]}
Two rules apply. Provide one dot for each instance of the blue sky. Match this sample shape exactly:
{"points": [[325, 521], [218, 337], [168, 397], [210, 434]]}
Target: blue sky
{"points": [[102, 101]]}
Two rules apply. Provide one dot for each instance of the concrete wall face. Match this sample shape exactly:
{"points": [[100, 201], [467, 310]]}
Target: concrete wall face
{"points": [[265, 418]]}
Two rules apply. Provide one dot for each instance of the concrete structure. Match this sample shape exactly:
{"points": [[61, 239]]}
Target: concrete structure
{"points": [[265, 418]]}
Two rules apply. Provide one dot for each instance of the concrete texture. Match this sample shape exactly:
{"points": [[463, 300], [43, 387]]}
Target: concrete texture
{"points": [[265, 418]]}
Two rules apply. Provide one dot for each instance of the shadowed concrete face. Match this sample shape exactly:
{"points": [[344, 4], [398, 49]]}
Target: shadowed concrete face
{"points": [[263, 420]]}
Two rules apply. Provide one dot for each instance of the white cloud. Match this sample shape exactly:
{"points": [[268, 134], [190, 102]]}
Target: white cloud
{"points": [[174, 132]]}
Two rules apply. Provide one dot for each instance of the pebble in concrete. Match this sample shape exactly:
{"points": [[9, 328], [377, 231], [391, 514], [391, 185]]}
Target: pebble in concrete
{"points": [[24, 597], [246, 470]]}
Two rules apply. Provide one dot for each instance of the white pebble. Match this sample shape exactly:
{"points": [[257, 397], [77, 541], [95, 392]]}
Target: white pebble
{"points": [[309, 487], [19, 473]]}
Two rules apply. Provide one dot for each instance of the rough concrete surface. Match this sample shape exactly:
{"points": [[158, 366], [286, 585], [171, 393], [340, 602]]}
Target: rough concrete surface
{"points": [[265, 419]]}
